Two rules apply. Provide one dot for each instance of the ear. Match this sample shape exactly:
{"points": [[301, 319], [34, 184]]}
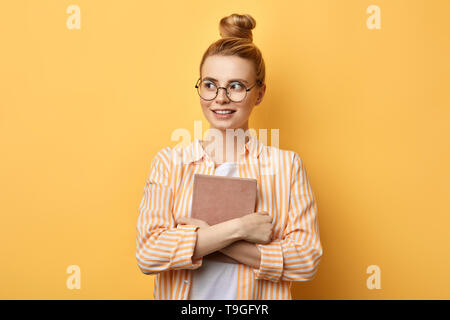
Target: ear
{"points": [[261, 93]]}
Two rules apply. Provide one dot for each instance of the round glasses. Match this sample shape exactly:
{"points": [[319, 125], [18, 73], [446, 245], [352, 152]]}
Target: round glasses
{"points": [[236, 91]]}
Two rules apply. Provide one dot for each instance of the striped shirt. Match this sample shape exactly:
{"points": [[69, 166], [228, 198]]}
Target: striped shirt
{"points": [[165, 249]]}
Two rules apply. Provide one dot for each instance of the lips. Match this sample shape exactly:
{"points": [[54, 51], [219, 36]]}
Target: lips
{"points": [[223, 111], [223, 115]]}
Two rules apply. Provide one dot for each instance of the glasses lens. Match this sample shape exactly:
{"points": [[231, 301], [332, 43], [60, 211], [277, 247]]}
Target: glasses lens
{"points": [[207, 90], [236, 91]]}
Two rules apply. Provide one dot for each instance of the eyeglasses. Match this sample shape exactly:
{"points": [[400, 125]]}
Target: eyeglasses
{"points": [[236, 91]]}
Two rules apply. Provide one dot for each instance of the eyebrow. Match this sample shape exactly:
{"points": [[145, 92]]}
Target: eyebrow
{"points": [[209, 78]]}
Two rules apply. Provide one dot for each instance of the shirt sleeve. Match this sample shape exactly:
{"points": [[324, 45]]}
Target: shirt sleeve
{"points": [[296, 256], [160, 245]]}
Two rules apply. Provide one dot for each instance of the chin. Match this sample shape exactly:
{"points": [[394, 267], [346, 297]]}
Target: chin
{"points": [[222, 126]]}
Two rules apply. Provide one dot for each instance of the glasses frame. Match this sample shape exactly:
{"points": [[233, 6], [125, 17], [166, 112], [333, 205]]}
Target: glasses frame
{"points": [[226, 91]]}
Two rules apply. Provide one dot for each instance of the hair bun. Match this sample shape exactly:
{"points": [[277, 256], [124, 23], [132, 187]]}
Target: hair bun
{"points": [[238, 26]]}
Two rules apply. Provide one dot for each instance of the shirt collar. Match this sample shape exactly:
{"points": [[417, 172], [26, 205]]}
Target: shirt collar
{"points": [[195, 150]]}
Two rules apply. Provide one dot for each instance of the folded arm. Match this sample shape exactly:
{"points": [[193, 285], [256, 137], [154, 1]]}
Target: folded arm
{"points": [[163, 243], [160, 245], [296, 256], [245, 252]]}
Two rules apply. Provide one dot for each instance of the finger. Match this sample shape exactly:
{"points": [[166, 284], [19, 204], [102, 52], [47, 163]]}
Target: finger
{"points": [[181, 220], [194, 221], [186, 220]]}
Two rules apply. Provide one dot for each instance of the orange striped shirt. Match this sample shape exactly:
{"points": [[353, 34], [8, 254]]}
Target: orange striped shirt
{"points": [[165, 249]]}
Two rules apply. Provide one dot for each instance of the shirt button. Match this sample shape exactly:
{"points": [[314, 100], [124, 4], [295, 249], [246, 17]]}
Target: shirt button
{"points": [[186, 281]]}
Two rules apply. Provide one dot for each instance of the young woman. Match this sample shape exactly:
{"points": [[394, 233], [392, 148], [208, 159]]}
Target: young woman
{"points": [[274, 246]]}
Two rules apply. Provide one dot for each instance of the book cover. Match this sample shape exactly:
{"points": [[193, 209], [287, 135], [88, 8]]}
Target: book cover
{"points": [[216, 199]]}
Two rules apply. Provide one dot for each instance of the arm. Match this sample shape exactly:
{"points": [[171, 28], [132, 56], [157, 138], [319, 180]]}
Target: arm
{"points": [[245, 252], [160, 245], [296, 256], [223, 237], [216, 237]]}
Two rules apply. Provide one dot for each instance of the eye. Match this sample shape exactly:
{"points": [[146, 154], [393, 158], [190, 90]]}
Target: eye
{"points": [[236, 86], [208, 84]]}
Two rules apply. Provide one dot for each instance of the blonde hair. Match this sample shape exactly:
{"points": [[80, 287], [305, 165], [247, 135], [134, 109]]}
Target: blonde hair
{"points": [[237, 40]]}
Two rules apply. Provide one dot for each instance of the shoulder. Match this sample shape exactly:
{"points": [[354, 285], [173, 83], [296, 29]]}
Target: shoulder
{"points": [[287, 163], [171, 156], [284, 156], [163, 156]]}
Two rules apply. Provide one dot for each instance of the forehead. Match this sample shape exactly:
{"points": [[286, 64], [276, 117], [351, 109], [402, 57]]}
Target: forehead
{"points": [[224, 68]]}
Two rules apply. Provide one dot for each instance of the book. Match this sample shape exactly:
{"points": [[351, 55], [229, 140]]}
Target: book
{"points": [[216, 199]]}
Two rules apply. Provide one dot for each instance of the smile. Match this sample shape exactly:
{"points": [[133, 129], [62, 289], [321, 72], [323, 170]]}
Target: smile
{"points": [[223, 114]]}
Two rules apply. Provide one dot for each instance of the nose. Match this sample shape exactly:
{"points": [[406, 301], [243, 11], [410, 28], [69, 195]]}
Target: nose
{"points": [[222, 95]]}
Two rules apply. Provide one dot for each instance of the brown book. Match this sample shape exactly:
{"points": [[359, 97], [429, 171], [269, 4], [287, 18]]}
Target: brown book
{"points": [[216, 199]]}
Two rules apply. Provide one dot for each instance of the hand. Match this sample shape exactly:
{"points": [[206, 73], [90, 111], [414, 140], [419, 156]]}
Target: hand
{"points": [[256, 227], [192, 221]]}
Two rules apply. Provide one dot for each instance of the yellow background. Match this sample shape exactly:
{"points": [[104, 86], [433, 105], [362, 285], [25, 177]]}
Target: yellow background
{"points": [[83, 112]]}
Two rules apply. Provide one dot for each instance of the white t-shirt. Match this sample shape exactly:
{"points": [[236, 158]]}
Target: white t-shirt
{"points": [[216, 280]]}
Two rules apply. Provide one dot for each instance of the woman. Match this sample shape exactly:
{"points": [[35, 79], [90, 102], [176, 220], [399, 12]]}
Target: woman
{"points": [[274, 246]]}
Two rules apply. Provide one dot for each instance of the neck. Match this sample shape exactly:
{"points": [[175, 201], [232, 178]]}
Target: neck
{"points": [[223, 147]]}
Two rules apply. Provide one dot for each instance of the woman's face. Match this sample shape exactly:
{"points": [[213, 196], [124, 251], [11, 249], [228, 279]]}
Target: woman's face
{"points": [[224, 69]]}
